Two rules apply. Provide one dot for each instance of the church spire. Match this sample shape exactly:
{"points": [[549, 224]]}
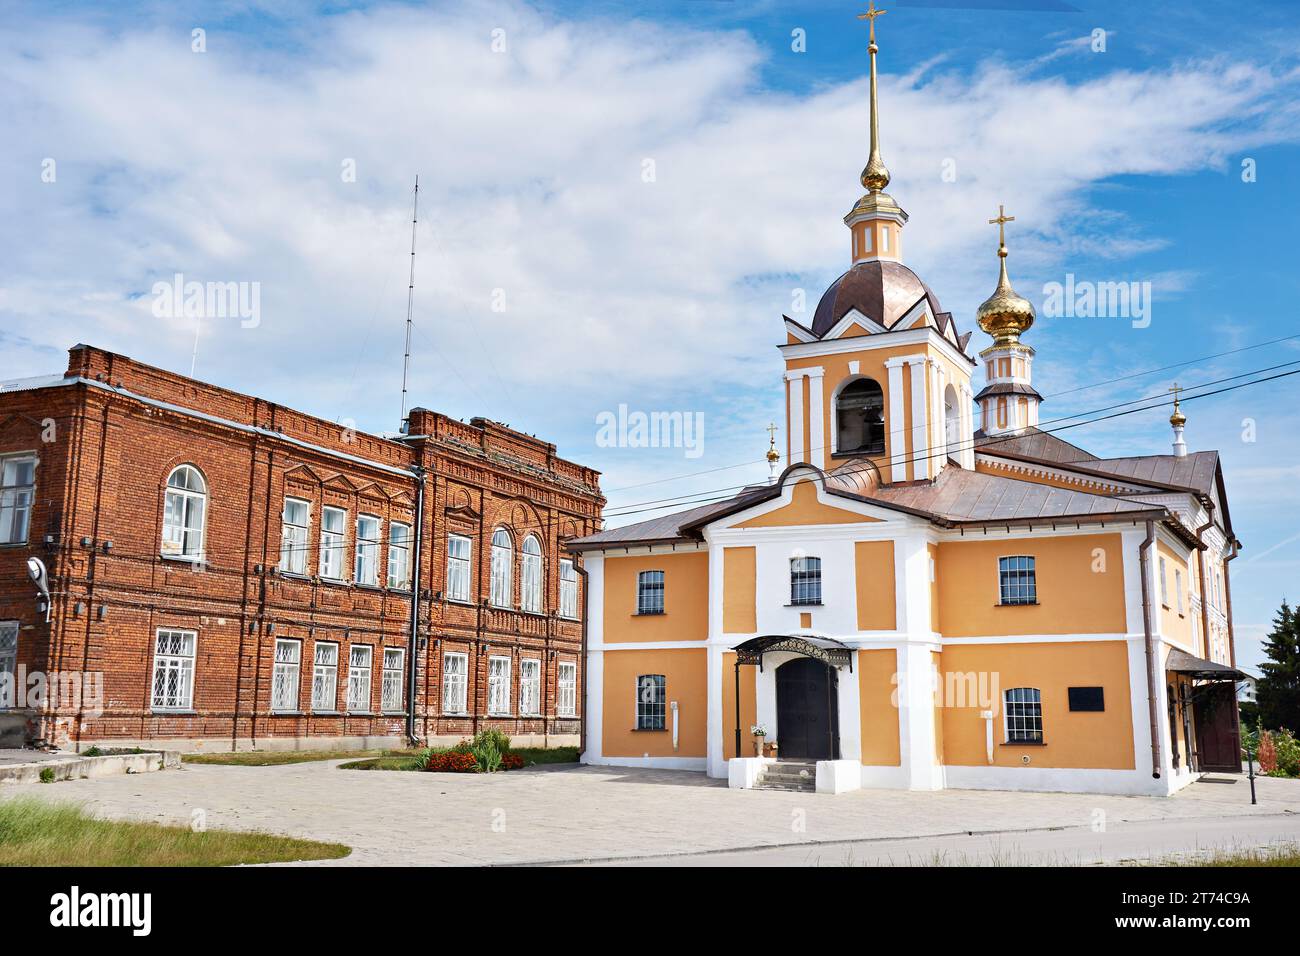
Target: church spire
{"points": [[1009, 402], [876, 221], [875, 176]]}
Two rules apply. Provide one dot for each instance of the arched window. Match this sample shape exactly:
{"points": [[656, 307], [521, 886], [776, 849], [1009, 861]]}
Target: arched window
{"points": [[952, 422], [185, 511], [530, 594], [502, 559], [860, 419], [1023, 710]]}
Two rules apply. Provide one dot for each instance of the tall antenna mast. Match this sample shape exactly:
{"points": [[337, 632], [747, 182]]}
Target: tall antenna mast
{"points": [[410, 299]]}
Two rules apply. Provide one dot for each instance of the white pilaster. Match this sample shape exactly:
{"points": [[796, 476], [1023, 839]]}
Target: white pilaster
{"points": [[817, 449], [894, 425], [797, 447], [939, 426], [920, 445]]}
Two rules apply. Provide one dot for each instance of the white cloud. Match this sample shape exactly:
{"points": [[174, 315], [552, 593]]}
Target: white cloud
{"points": [[225, 166]]}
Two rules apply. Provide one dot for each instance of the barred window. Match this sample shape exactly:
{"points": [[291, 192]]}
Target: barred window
{"points": [[454, 672], [530, 590], [391, 689], [805, 580], [185, 505], [8, 663], [173, 669], [367, 560], [1016, 583], [568, 589], [17, 489], [359, 678], [284, 679], [458, 567], [325, 677], [332, 534], [1024, 715], [399, 555], [499, 686], [530, 687], [295, 525], [651, 702], [566, 691], [650, 592], [502, 559]]}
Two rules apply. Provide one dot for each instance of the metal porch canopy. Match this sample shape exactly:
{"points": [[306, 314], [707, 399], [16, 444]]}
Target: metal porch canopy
{"points": [[824, 649], [1180, 662]]}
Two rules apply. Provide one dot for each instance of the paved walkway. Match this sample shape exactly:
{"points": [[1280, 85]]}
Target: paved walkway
{"points": [[601, 814]]}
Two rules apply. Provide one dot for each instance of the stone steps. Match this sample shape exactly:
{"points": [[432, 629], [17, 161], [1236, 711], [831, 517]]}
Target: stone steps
{"points": [[795, 775]]}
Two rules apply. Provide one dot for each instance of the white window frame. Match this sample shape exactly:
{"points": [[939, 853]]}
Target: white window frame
{"points": [[455, 683], [651, 702], [566, 689], [392, 693], [647, 587], [294, 537], [530, 687], [1164, 582], [366, 563], [1024, 723], [1032, 568], [359, 675], [183, 541], [503, 559], [568, 589], [8, 664], [499, 687], [333, 543], [530, 575], [399, 556], [325, 674], [458, 568], [806, 581], [178, 659], [285, 677], [16, 501]]}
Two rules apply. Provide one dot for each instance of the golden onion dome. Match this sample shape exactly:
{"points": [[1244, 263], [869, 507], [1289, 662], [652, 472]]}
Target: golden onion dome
{"points": [[1177, 419], [1004, 315]]}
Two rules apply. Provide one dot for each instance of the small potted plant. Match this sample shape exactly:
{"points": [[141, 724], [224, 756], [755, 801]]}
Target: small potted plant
{"points": [[760, 734]]}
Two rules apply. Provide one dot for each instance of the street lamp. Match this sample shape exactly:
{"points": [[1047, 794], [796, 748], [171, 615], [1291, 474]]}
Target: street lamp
{"points": [[40, 577]]}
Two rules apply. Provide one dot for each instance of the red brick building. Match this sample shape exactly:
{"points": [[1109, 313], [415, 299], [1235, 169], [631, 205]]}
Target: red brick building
{"points": [[239, 572]]}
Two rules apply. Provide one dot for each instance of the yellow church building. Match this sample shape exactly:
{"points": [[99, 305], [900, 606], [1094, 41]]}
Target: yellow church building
{"points": [[912, 602]]}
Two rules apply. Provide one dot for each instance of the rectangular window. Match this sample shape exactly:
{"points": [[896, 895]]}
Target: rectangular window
{"points": [[530, 687], [295, 525], [17, 489], [884, 239], [333, 524], [325, 678], [8, 663], [391, 691], [359, 678], [651, 701], [805, 580], [284, 679], [566, 696], [458, 551], [1178, 588], [1164, 583], [1087, 699], [568, 590], [173, 669], [1024, 715], [367, 560], [455, 671], [650, 592], [1016, 582], [499, 686], [399, 556]]}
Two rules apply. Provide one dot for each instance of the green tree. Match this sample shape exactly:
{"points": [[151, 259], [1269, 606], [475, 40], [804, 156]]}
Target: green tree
{"points": [[1278, 690]]}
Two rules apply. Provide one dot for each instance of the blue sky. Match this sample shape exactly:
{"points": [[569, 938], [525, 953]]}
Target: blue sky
{"points": [[555, 283]]}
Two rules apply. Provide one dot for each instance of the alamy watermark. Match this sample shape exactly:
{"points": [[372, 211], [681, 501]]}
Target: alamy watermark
{"points": [[636, 429], [1106, 300], [82, 690], [179, 299]]}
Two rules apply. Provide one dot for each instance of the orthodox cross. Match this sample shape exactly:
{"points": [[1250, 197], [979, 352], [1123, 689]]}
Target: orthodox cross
{"points": [[870, 17]]}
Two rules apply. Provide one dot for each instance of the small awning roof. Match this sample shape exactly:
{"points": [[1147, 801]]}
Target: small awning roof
{"points": [[824, 649], [1180, 662]]}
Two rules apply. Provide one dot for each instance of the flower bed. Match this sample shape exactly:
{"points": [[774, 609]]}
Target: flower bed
{"points": [[488, 752]]}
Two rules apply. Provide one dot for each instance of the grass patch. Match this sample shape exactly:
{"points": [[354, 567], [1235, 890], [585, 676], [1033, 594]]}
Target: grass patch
{"points": [[35, 833], [277, 758], [405, 760], [1285, 854]]}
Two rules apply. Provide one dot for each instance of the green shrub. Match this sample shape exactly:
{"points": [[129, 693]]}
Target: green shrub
{"points": [[47, 775], [1288, 753], [494, 737], [92, 752]]}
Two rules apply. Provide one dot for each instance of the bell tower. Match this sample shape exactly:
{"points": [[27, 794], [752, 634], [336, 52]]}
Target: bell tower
{"points": [[1009, 402]]}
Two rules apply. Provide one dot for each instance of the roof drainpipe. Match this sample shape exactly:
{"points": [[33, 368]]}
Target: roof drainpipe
{"points": [[413, 645], [1152, 691], [582, 714]]}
